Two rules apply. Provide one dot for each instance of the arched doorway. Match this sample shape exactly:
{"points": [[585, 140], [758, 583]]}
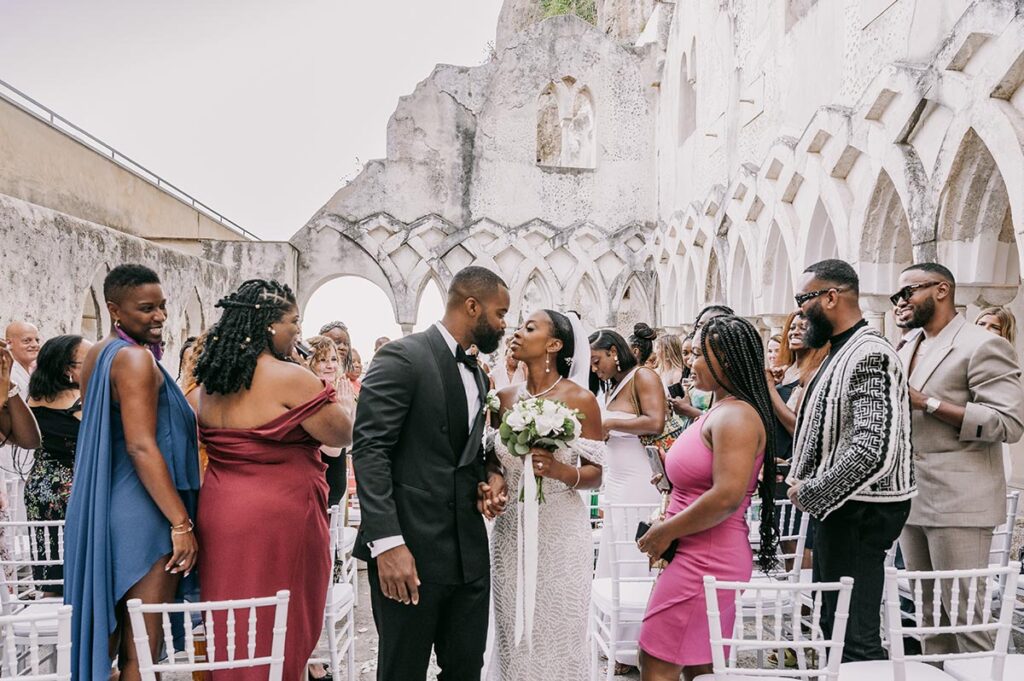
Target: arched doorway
{"points": [[360, 304], [95, 318]]}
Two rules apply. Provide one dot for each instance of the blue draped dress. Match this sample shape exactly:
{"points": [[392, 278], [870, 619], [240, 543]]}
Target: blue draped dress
{"points": [[115, 532]]}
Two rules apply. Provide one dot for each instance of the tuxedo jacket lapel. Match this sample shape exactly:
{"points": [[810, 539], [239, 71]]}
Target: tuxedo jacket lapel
{"points": [[454, 390]]}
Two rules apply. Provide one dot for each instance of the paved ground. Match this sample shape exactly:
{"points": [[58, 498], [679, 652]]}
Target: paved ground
{"points": [[366, 638]]}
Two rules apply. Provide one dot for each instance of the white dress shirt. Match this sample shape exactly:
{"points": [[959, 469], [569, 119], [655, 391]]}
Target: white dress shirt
{"points": [[473, 410]]}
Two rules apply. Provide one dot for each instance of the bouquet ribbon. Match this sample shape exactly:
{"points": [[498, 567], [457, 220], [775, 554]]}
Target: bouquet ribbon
{"points": [[526, 556]]}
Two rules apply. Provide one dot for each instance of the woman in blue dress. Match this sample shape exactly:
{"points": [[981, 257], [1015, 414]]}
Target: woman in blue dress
{"points": [[129, 520]]}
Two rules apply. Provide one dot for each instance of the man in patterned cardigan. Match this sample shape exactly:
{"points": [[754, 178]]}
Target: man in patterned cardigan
{"points": [[853, 466]]}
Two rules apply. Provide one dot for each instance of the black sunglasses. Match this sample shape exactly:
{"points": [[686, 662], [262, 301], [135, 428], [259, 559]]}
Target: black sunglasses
{"points": [[802, 298], [904, 293]]}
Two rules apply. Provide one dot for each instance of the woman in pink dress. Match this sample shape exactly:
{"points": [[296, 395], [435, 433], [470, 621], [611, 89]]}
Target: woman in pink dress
{"points": [[714, 468], [263, 506]]}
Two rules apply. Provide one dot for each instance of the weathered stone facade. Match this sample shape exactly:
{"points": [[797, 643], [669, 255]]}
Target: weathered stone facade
{"points": [[674, 154]]}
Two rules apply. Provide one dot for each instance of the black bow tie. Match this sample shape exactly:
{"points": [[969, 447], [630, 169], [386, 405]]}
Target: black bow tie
{"points": [[463, 358]]}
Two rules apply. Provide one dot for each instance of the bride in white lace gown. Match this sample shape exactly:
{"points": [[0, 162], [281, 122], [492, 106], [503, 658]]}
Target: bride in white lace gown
{"points": [[541, 581]]}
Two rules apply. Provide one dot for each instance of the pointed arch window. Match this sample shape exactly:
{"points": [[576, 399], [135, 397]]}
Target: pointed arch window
{"points": [[566, 126]]}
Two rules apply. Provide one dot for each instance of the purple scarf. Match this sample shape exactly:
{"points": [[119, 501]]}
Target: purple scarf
{"points": [[156, 348]]}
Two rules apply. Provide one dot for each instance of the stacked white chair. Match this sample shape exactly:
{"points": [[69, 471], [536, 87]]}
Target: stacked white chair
{"points": [[32, 544], [618, 602], [774, 625], [24, 636], [336, 648], [221, 649], [987, 665]]}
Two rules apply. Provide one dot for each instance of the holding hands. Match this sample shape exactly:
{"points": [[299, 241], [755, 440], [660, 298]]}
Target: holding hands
{"points": [[492, 496]]}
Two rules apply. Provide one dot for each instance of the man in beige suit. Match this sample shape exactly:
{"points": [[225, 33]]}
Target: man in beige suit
{"points": [[966, 399]]}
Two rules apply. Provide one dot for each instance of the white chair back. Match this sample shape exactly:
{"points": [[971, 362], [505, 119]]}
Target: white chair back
{"points": [[28, 631], [961, 618], [1002, 536], [35, 548], [213, 659], [618, 542], [792, 537], [773, 623]]}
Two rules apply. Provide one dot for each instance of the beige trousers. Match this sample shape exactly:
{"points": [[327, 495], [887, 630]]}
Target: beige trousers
{"points": [[949, 548]]}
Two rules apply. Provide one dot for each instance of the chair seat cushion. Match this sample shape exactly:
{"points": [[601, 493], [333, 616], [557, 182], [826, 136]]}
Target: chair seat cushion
{"points": [[980, 668], [882, 670], [340, 595], [348, 538], [633, 596], [47, 628]]}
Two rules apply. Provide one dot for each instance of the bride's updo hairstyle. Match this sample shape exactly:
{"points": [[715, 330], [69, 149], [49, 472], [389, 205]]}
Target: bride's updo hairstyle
{"points": [[235, 342], [643, 340], [561, 328]]}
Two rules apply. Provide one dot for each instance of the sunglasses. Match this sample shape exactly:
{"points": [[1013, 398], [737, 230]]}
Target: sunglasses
{"points": [[904, 293], [802, 298]]}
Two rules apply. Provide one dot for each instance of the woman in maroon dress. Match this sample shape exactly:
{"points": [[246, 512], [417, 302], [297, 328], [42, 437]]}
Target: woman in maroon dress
{"points": [[263, 506]]}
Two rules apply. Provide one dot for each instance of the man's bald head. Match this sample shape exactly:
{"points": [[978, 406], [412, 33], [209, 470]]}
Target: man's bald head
{"points": [[23, 340]]}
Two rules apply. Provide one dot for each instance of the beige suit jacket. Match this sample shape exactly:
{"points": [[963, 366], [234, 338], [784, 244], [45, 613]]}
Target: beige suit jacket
{"points": [[960, 471]]}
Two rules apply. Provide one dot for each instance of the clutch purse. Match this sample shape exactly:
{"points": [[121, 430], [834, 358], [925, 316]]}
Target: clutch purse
{"points": [[642, 528]]}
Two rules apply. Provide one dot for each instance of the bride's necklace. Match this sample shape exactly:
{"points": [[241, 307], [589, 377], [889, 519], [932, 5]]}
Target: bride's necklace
{"points": [[542, 393]]}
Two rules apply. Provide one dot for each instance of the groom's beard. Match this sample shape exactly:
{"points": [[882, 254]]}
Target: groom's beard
{"points": [[485, 337]]}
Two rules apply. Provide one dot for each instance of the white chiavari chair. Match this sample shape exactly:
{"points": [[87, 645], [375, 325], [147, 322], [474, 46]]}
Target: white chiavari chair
{"points": [[776, 624], [222, 623], [968, 613], [27, 650], [336, 647], [618, 602]]}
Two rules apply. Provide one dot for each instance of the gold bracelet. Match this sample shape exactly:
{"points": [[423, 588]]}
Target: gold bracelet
{"points": [[176, 529]]}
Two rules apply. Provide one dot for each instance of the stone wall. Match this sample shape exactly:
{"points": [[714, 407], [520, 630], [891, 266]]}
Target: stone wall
{"points": [[54, 265]]}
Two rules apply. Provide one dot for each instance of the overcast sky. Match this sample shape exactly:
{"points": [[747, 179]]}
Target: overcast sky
{"points": [[259, 108]]}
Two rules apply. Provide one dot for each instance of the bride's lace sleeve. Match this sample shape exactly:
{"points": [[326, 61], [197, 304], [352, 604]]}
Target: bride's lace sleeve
{"points": [[594, 451]]}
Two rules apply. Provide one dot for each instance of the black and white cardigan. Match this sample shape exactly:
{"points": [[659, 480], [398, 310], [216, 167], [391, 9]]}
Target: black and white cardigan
{"points": [[853, 430]]}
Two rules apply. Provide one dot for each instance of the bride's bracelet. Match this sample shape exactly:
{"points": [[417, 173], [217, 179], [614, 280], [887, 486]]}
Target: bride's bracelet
{"points": [[183, 528], [577, 479]]}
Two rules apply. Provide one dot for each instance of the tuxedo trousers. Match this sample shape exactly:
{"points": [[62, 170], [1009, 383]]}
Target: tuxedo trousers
{"points": [[451, 619]]}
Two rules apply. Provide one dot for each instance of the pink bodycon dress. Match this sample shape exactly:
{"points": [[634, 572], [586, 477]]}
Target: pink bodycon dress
{"points": [[675, 627]]}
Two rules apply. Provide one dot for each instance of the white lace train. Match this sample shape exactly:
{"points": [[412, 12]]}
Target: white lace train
{"points": [[546, 591]]}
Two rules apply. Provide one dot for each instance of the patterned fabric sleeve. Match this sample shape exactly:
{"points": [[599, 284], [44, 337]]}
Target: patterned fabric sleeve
{"points": [[873, 396], [594, 451]]}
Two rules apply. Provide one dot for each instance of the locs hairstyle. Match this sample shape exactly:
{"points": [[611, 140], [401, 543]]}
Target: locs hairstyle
{"points": [[51, 375], [736, 344], [561, 328], [235, 342]]}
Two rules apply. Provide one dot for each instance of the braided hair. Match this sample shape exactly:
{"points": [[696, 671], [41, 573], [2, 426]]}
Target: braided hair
{"points": [[236, 341], [561, 328], [736, 344]]}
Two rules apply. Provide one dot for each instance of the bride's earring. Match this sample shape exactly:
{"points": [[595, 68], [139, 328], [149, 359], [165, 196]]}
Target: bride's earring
{"points": [[547, 364]]}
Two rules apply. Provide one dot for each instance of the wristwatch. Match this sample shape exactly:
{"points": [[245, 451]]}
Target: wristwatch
{"points": [[932, 405]]}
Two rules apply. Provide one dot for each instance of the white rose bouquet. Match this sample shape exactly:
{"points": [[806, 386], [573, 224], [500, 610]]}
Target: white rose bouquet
{"points": [[533, 422]]}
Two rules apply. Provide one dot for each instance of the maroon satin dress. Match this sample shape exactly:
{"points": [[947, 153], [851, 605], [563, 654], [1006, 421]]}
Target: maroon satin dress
{"points": [[262, 527]]}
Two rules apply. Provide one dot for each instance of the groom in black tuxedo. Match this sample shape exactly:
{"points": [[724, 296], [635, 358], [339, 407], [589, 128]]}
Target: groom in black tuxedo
{"points": [[418, 459]]}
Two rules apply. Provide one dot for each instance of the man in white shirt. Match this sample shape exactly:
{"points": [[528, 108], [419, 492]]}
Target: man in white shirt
{"points": [[23, 341]]}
